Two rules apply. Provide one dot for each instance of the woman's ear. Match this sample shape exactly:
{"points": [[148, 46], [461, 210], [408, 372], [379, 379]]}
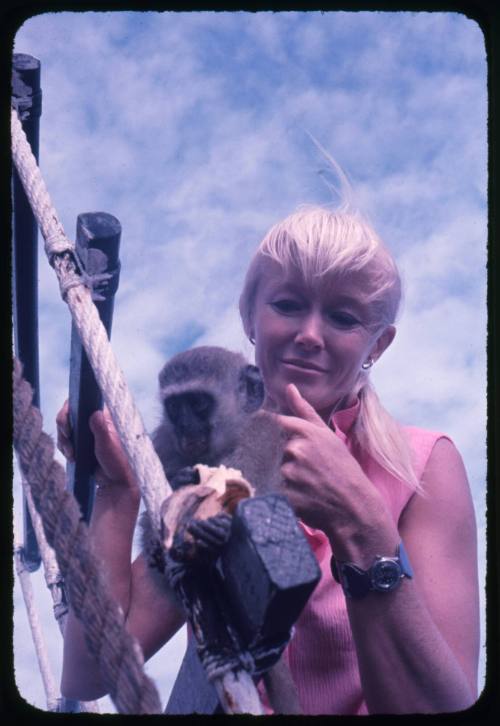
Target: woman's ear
{"points": [[383, 342]]}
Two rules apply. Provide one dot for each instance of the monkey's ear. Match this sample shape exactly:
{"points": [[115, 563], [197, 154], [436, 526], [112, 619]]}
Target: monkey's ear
{"points": [[252, 388]]}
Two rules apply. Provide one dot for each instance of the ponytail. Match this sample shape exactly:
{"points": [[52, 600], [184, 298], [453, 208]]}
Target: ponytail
{"points": [[376, 432]]}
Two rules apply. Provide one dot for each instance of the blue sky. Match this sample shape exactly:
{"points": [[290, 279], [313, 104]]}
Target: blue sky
{"points": [[192, 129]]}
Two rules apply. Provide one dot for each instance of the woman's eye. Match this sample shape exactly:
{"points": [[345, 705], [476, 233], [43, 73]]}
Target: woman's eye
{"points": [[344, 320], [286, 306]]}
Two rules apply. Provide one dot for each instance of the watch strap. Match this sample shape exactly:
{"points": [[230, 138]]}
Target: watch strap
{"points": [[357, 582]]}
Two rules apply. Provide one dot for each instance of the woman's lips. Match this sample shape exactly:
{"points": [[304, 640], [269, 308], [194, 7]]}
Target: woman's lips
{"points": [[300, 365]]}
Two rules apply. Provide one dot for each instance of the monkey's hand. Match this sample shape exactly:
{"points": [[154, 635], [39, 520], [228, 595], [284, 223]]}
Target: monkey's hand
{"points": [[209, 536], [184, 477]]}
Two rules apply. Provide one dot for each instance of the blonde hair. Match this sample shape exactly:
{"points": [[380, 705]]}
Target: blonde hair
{"points": [[316, 242]]}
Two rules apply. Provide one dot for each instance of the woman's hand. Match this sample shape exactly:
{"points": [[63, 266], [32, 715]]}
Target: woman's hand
{"points": [[64, 433], [113, 466], [326, 485]]}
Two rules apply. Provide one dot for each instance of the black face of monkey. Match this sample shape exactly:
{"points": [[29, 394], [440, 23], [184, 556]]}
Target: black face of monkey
{"points": [[209, 396], [190, 414]]}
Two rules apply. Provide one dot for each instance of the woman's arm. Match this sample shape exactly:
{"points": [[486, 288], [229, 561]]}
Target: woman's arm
{"points": [[111, 529], [417, 646]]}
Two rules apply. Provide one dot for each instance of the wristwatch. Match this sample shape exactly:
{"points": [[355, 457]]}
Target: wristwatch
{"points": [[384, 575]]}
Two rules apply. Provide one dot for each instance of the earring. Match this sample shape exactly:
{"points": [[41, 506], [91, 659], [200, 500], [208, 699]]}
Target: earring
{"points": [[367, 364]]}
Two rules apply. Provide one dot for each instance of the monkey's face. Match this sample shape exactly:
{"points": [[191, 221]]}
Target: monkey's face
{"points": [[315, 336], [208, 395], [190, 414]]}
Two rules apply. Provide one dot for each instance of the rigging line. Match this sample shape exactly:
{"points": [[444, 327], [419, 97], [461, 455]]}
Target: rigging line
{"points": [[49, 683]]}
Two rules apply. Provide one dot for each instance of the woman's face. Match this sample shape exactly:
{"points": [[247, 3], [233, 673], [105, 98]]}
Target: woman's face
{"points": [[316, 336]]}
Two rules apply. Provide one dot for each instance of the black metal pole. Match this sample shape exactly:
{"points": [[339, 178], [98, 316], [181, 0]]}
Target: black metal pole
{"points": [[97, 243], [27, 97]]}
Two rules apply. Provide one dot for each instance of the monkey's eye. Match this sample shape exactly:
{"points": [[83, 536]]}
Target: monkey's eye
{"points": [[201, 404], [172, 408]]}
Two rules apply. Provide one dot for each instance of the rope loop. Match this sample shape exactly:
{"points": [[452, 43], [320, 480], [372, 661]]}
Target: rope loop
{"points": [[68, 273], [56, 243]]}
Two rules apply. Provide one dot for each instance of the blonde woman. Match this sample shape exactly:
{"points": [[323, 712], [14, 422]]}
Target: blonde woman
{"points": [[393, 626]]}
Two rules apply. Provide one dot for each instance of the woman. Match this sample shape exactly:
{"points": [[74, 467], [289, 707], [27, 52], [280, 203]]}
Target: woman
{"points": [[399, 635]]}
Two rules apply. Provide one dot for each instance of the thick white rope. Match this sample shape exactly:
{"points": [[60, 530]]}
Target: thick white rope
{"points": [[236, 690], [49, 683], [127, 419]]}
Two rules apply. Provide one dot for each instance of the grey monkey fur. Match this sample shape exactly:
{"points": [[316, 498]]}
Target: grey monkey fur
{"points": [[242, 435]]}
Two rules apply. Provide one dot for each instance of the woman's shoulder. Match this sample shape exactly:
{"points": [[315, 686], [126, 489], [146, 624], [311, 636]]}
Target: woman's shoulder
{"points": [[421, 443], [421, 437]]}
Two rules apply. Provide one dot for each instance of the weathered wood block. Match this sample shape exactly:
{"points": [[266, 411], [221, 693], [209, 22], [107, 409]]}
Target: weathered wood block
{"points": [[268, 567]]}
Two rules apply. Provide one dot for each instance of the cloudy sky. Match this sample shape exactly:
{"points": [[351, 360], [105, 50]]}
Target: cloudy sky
{"points": [[193, 129]]}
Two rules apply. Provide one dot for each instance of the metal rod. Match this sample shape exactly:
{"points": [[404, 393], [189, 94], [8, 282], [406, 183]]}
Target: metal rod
{"points": [[97, 244], [26, 96]]}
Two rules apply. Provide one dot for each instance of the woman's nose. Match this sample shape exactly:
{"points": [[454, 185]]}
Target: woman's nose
{"points": [[310, 335]]}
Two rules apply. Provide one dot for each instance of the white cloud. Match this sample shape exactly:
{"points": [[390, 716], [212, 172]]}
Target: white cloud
{"points": [[189, 127]]}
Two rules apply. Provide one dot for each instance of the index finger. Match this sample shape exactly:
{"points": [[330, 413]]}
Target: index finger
{"points": [[64, 432], [62, 418], [291, 424]]}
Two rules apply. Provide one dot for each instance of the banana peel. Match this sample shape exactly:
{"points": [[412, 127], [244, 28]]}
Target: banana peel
{"points": [[220, 489]]}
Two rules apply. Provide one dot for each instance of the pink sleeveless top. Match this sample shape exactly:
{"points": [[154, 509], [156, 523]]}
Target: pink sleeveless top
{"points": [[321, 654]]}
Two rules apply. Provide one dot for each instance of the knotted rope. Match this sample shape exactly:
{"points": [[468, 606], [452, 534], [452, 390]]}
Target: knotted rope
{"points": [[120, 657], [60, 251]]}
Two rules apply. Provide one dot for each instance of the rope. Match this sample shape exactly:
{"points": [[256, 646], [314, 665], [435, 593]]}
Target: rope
{"points": [[55, 584], [235, 689], [120, 657], [60, 251], [49, 684], [51, 571]]}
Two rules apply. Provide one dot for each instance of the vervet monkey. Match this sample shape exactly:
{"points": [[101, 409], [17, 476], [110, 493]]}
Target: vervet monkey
{"points": [[212, 415]]}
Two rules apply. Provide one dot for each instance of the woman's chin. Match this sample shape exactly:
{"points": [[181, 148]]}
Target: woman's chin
{"points": [[278, 401]]}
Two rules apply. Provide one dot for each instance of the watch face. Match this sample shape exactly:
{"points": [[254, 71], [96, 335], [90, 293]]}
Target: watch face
{"points": [[386, 574]]}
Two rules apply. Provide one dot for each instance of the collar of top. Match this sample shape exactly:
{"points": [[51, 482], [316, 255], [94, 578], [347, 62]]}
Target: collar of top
{"points": [[342, 421]]}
